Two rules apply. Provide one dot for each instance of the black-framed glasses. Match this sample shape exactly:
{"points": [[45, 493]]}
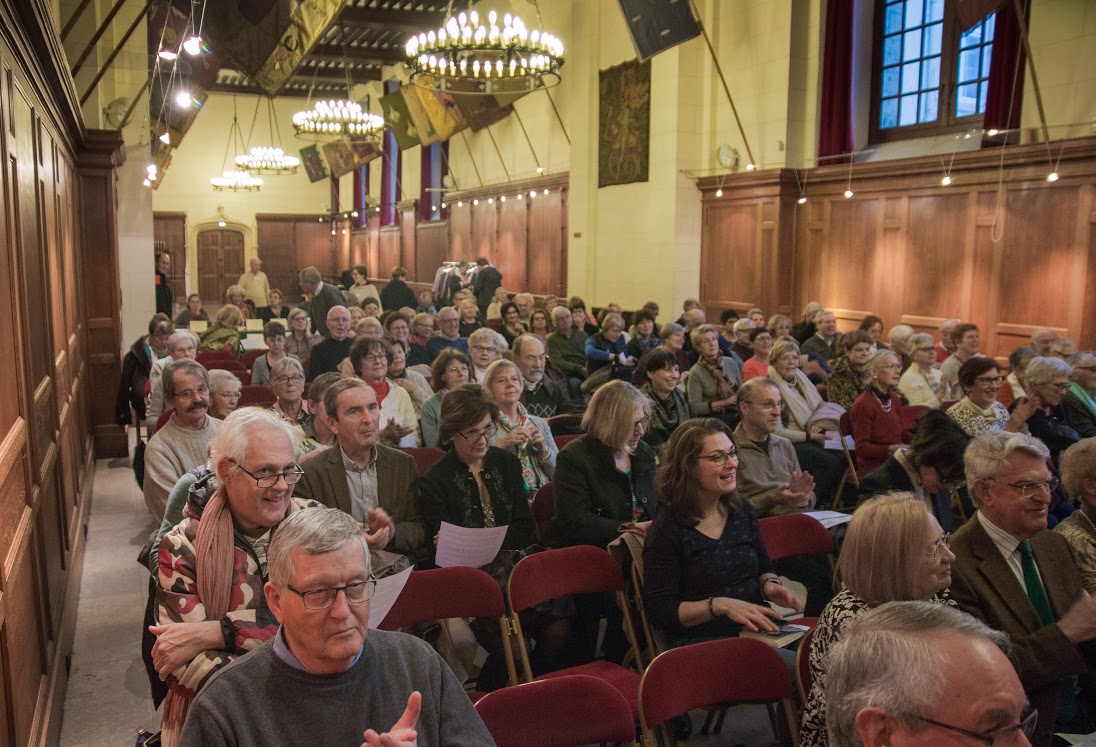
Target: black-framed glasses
{"points": [[768, 405], [291, 379], [934, 548], [291, 477], [320, 599], [641, 425], [1027, 489], [487, 434], [720, 457], [989, 379], [1005, 735]]}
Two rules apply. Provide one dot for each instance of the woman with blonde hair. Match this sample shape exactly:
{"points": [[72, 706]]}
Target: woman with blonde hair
{"points": [[236, 296], [225, 332], [894, 551], [1078, 468], [880, 422], [525, 435]]}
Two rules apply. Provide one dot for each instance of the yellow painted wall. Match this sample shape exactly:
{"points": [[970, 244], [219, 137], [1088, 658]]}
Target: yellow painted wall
{"points": [[1063, 35]]}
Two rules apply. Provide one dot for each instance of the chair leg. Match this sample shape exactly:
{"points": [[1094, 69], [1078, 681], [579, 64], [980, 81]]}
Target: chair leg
{"points": [[793, 721], [719, 720]]}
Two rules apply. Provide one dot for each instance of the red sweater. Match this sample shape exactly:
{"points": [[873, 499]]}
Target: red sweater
{"points": [[875, 431]]}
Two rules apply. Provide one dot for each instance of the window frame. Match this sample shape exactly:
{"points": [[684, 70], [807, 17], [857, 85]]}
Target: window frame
{"points": [[946, 123]]}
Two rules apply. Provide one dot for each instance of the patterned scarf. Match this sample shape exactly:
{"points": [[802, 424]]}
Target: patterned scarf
{"points": [[715, 368], [531, 471], [1084, 397]]}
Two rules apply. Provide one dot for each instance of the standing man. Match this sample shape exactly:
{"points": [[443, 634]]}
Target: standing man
{"points": [[1020, 578], [359, 475], [322, 298], [824, 341], [486, 282], [335, 347], [255, 285], [165, 298]]}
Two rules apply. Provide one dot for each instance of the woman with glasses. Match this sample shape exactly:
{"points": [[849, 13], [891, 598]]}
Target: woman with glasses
{"points": [[920, 384], [880, 422], [211, 567], [1047, 381], [670, 409], [511, 328], [706, 573], [525, 435], [714, 378], [894, 551], [758, 364], [1080, 401], [274, 337], [370, 360], [299, 341], [287, 381], [979, 411], [137, 367], [850, 377], [448, 371], [225, 332]]}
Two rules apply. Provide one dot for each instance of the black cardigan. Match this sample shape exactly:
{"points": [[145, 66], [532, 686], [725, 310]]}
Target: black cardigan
{"points": [[593, 498]]}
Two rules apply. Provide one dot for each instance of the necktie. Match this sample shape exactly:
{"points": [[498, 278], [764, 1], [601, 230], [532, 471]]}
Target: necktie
{"points": [[1067, 700]]}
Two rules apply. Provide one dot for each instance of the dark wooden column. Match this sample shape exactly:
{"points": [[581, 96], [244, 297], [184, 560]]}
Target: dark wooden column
{"points": [[102, 154]]}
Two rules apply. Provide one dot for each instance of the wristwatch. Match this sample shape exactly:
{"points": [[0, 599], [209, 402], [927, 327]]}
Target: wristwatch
{"points": [[770, 580]]}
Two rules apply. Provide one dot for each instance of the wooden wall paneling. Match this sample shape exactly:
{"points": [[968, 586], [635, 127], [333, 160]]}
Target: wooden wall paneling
{"points": [[768, 234], [934, 274], [1088, 322], [220, 262], [276, 240], [1078, 274], [484, 230], [850, 269], [460, 232], [512, 251], [22, 582], [783, 298], [170, 228], [730, 269], [388, 247], [431, 249], [359, 250], [408, 248], [546, 246], [7, 736], [315, 247]]}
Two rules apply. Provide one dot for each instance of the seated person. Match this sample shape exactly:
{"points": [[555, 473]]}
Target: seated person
{"points": [[411, 381], [287, 381], [181, 344], [899, 339], [979, 411], [274, 309], [517, 431], [192, 313], [274, 337], [849, 377], [224, 333], [579, 317], [714, 379], [803, 330], [873, 327], [673, 342], [758, 364], [362, 288], [421, 329], [334, 348], [920, 384], [538, 323], [448, 335], [1047, 381], [645, 337], [224, 393], [567, 351], [609, 348], [930, 466], [1014, 382], [469, 317], [880, 422], [966, 339], [327, 682], [299, 341], [449, 370], [511, 328], [324, 438], [780, 326], [824, 340], [894, 551], [670, 409], [235, 296], [425, 303], [494, 309], [1078, 469], [540, 395], [370, 360], [1080, 400], [706, 572]]}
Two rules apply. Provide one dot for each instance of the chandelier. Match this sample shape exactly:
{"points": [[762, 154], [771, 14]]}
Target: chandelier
{"points": [[267, 159], [236, 181], [340, 117], [465, 56]]}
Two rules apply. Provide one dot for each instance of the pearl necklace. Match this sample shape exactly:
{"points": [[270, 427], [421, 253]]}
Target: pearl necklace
{"points": [[1085, 517]]}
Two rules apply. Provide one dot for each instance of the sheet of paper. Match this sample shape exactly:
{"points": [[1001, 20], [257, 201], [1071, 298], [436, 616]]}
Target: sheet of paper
{"points": [[830, 519], [1081, 740], [254, 325], [199, 326], [253, 342], [468, 547], [388, 591]]}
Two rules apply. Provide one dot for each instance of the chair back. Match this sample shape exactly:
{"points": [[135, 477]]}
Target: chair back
{"points": [[205, 357], [226, 364], [582, 569], [803, 679], [566, 711], [795, 534], [259, 395], [164, 417], [544, 507], [425, 457], [441, 593], [250, 356], [495, 324], [562, 441], [728, 670]]}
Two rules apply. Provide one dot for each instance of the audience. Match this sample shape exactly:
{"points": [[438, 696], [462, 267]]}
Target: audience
{"points": [[780, 326], [421, 329], [254, 284], [274, 337], [579, 317], [805, 329], [673, 342], [224, 393], [946, 346], [524, 303], [323, 437], [511, 328], [1041, 340], [966, 340], [335, 347], [448, 371], [299, 341], [761, 340], [645, 337], [469, 317], [1063, 348], [1017, 363], [411, 381], [894, 551], [931, 467], [693, 318], [873, 327], [742, 349], [235, 296], [1047, 380], [920, 383], [979, 411], [899, 338], [757, 316], [1080, 401], [538, 394], [362, 288], [567, 351], [849, 377], [706, 573], [880, 422], [287, 381], [179, 345], [1020, 578], [396, 293], [714, 380], [485, 282], [519, 431], [322, 297], [224, 334], [370, 360], [494, 309], [485, 347], [669, 407], [1078, 470]]}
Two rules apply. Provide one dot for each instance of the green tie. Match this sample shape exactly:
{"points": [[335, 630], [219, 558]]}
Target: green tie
{"points": [[1067, 699]]}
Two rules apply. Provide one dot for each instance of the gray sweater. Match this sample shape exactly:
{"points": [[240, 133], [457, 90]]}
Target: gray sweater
{"points": [[260, 700]]}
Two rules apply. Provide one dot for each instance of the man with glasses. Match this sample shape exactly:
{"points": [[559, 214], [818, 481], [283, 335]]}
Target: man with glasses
{"points": [[539, 395], [769, 474], [334, 348], [1018, 577], [181, 445], [448, 335], [361, 477], [567, 351], [919, 673], [325, 678], [483, 346]]}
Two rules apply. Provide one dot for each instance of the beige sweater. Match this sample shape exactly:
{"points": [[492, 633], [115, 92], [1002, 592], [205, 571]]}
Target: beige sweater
{"points": [[171, 453]]}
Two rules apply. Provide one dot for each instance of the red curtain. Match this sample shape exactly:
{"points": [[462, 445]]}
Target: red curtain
{"points": [[835, 130], [1006, 78]]}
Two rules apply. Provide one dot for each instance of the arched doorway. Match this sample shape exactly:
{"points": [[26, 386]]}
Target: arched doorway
{"points": [[220, 262]]}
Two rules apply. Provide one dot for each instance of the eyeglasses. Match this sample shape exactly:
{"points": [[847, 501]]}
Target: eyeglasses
{"points": [[321, 599], [487, 434], [484, 348], [1062, 387], [375, 357], [1027, 489], [641, 425], [892, 366], [193, 393], [294, 379], [989, 380], [457, 369], [997, 737], [769, 405], [934, 548], [292, 477], [721, 457]]}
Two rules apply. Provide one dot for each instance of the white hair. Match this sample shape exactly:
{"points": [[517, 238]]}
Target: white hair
{"points": [[987, 454], [315, 531], [239, 429], [1044, 370]]}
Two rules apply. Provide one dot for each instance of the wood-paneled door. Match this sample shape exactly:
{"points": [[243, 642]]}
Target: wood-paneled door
{"points": [[220, 262], [169, 229]]}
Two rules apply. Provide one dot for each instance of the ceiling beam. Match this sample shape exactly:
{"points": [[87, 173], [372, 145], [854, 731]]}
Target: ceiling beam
{"points": [[390, 19], [249, 88], [359, 54], [337, 75]]}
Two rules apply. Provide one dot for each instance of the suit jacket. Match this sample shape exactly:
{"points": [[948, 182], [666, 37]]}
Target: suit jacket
{"points": [[328, 297], [983, 585], [324, 480]]}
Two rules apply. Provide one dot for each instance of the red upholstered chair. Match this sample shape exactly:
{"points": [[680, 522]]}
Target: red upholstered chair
{"points": [[495, 324], [206, 356], [562, 441], [544, 507], [259, 395], [727, 671], [567, 711], [795, 534], [226, 364], [251, 355], [803, 680], [571, 570], [164, 417], [844, 428], [425, 457]]}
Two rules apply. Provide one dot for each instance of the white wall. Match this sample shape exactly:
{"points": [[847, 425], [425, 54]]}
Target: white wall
{"points": [[137, 271]]}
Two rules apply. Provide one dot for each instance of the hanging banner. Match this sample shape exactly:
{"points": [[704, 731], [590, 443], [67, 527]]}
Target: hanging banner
{"points": [[364, 149], [624, 123], [434, 113], [339, 157], [313, 164], [398, 119]]}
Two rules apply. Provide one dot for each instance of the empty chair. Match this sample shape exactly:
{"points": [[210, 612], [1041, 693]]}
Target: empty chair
{"points": [[425, 457], [566, 711], [728, 671], [259, 395], [795, 534], [544, 506], [562, 441], [206, 356]]}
